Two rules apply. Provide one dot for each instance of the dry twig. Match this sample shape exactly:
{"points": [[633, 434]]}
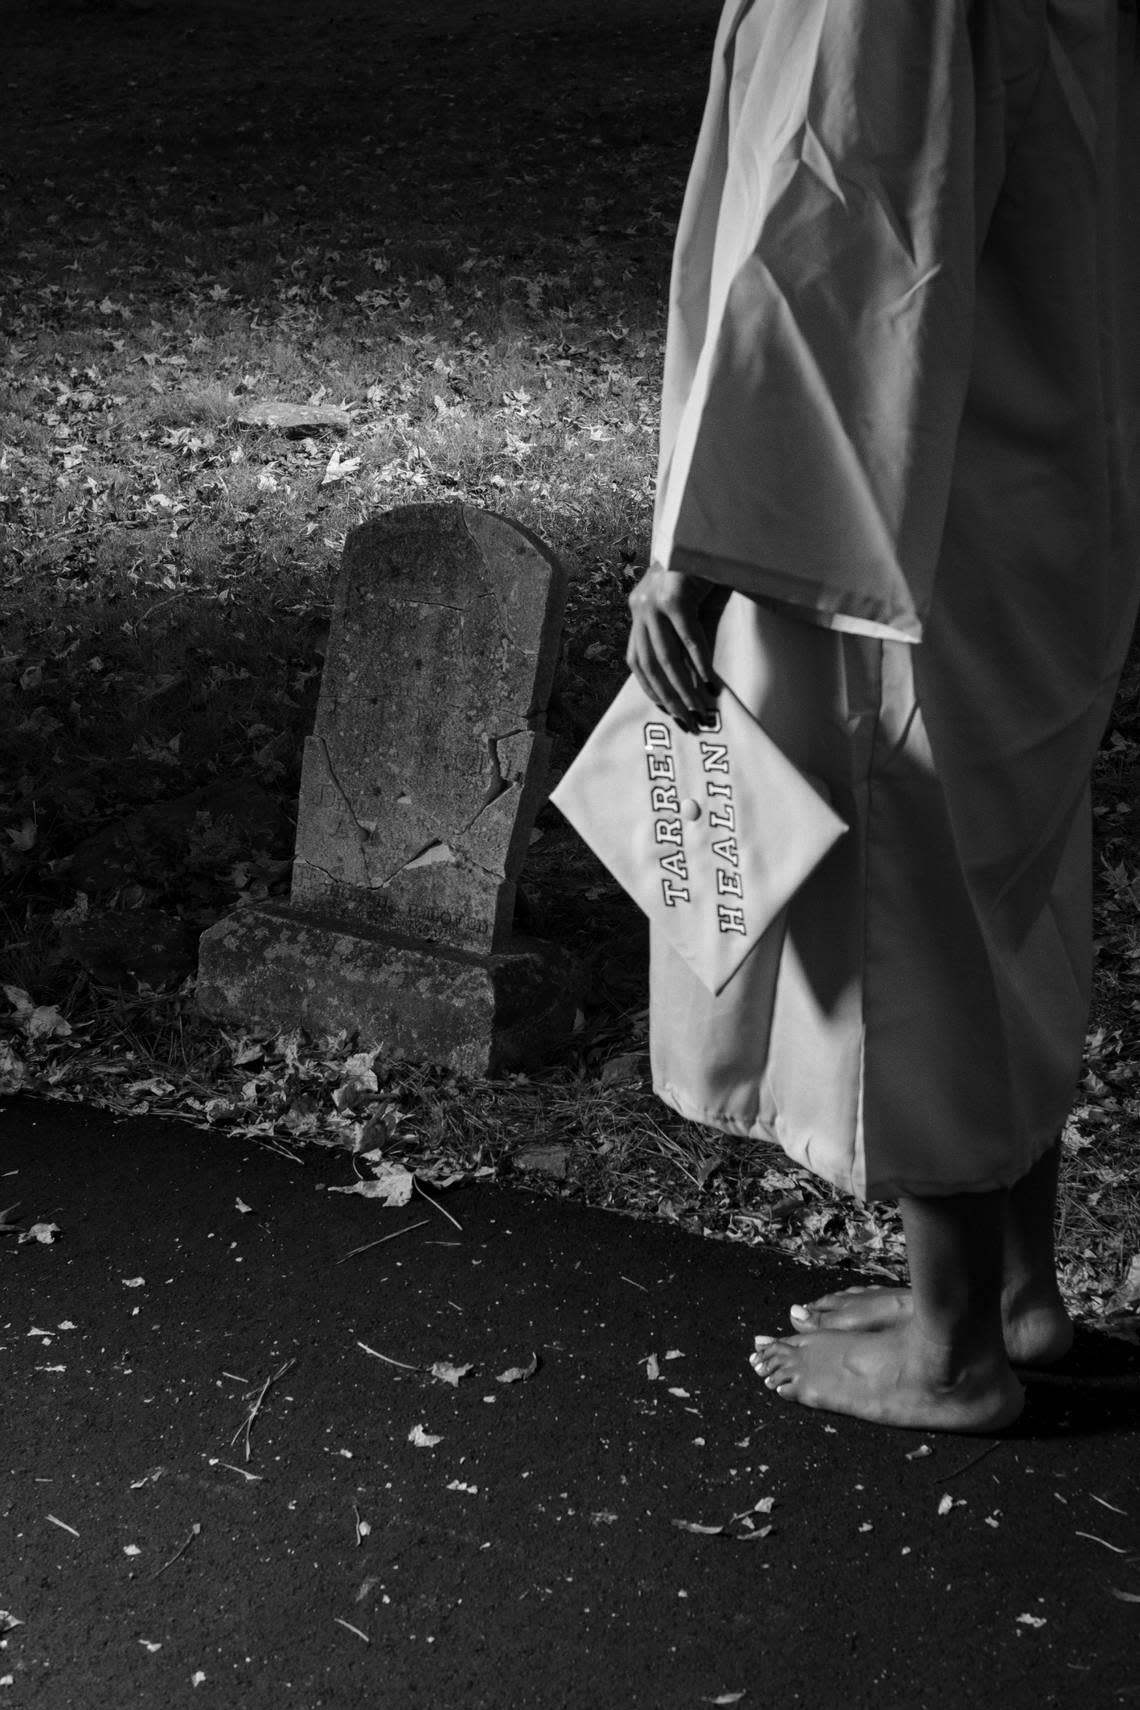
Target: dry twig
{"points": [[437, 1206], [256, 1408], [387, 1359], [406, 1230], [180, 1551]]}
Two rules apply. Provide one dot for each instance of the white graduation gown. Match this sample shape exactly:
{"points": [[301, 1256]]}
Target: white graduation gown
{"points": [[901, 419]]}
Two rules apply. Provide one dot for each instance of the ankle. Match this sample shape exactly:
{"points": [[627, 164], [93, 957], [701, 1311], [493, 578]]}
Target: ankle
{"points": [[948, 1351], [1030, 1292]]}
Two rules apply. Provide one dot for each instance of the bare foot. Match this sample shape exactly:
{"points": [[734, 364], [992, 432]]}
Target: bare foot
{"points": [[1036, 1333], [891, 1376]]}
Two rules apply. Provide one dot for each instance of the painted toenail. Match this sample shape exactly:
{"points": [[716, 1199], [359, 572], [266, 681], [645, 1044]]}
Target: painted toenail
{"points": [[762, 1341], [799, 1312]]}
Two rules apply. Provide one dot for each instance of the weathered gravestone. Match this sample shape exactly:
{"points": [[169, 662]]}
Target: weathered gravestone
{"points": [[418, 795]]}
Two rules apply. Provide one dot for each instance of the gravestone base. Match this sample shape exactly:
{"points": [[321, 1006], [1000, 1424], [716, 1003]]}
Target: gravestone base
{"points": [[284, 967]]}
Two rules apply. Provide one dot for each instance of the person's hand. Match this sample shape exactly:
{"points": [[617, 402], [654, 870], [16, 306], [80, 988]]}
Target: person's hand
{"points": [[668, 651]]}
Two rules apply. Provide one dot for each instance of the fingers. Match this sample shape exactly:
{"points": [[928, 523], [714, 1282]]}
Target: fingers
{"points": [[662, 668], [691, 634], [668, 650]]}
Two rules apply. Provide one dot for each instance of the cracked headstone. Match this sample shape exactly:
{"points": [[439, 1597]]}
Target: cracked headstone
{"points": [[419, 789]]}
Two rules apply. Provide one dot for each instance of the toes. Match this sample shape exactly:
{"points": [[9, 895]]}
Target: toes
{"points": [[782, 1379], [817, 1309], [767, 1356], [776, 1362]]}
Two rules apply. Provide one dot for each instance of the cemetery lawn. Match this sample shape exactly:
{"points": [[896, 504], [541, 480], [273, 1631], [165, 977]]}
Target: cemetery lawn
{"points": [[447, 232]]}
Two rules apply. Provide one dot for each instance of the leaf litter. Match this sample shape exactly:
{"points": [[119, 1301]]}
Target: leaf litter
{"points": [[44, 1233], [421, 1438], [447, 1373], [749, 1532], [519, 1374]]}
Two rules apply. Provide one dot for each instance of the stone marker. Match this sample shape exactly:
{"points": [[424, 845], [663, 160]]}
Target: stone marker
{"points": [[294, 420], [418, 794]]}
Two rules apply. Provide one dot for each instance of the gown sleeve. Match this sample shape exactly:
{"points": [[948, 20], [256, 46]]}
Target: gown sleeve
{"points": [[821, 306]]}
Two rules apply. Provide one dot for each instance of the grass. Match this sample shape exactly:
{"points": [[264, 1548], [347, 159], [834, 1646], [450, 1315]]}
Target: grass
{"points": [[456, 224]]}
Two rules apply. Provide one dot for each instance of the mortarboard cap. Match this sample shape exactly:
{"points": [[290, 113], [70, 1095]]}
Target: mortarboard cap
{"points": [[710, 833]]}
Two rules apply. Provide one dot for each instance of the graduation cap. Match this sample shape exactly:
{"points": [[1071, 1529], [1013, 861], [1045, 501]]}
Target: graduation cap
{"points": [[711, 833]]}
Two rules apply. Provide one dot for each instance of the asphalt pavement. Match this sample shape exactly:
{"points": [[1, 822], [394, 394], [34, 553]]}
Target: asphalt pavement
{"points": [[215, 1491]]}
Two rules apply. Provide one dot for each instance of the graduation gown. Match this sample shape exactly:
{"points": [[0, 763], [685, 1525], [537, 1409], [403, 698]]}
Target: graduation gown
{"points": [[901, 422]]}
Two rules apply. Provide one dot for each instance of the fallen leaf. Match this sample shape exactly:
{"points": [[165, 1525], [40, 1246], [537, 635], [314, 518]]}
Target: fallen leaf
{"points": [[45, 1233], [134, 1282], [694, 1526], [393, 1185], [674, 1354], [422, 1439], [917, 1454], [468, 1489], [947, 1502], [519, 1374], [151, 1645], [39, 1021], [450, 1374], [1128, 1294], [725, 1698], [339, 469], [1031, 1620], [652, 1369], [8, 1620], [763, 1505], [46, 1022], [24, 838], [1124, 1596], [683, 1394], [240, 1205]]}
